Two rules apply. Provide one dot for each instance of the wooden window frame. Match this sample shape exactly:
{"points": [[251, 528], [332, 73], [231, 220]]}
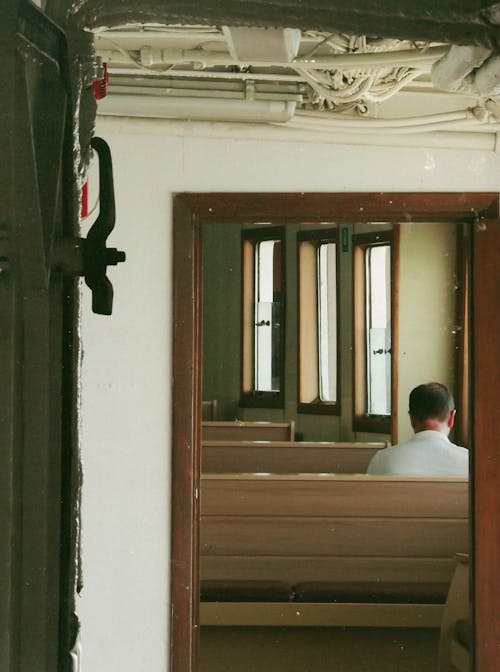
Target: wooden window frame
{"points": [[361, 420], [251, 398], [316, 406], [191, 211]]}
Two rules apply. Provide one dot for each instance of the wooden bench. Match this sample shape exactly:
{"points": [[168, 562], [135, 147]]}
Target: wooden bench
{"points": [[350, 550], [236, 430], [286, 457], [454, 645], [209, 409]]}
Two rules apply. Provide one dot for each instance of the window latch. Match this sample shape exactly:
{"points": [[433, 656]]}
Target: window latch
{"points": [[90, 257]]}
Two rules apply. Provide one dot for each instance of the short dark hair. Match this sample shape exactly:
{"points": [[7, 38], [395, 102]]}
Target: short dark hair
{"points": [[431, 400]]}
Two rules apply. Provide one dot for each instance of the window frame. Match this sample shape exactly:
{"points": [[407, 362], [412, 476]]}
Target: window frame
{"points": [[361, 420], [317, 406], [252, 398]]}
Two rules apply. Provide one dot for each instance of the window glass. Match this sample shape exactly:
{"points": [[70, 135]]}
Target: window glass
{"points": [[262, 366], [318, 388], [267, 337], [327, 321], [378, 329]]}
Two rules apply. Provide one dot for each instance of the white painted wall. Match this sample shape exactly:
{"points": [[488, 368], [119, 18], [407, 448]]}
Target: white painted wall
{"points": [[125, 396]]}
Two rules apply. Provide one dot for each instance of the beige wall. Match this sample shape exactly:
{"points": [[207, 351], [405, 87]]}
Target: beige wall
{"points": [[427, 306]]}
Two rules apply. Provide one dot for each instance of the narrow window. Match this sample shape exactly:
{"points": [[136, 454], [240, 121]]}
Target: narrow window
{"points": [[263, 311], [378, 329], [373, 326], [267, 322], [318, 322]]}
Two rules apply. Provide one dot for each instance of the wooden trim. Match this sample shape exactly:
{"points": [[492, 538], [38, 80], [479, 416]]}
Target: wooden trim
{"points": [[462, 427], [357, 207], [486, 351], [317, 406], [186, 423], [247, 290], [251, 398], [486, 430], [394, 332]]}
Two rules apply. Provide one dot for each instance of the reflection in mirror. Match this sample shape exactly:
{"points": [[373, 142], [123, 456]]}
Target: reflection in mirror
{"points": [[304, 559]]}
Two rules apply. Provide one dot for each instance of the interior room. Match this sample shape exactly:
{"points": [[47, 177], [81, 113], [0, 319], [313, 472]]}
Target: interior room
{"points": [[224, 123]]}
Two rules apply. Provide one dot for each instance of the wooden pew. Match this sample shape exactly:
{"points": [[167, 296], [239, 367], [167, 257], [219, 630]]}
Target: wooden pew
{"points": [[209, 409], [286, 457], [354, 550], [236, 430], [453, 654]]}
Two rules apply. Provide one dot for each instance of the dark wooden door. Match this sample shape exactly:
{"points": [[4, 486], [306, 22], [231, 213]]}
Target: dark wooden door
{"points": [[38, 464]]}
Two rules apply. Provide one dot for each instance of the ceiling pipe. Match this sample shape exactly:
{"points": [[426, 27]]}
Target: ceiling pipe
{"points": [[151, 58], [209, 74], [197, 109]]}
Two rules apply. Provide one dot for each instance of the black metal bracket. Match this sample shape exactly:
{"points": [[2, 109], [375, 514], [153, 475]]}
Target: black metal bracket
{"points": [[90, 257], [96, 256]]}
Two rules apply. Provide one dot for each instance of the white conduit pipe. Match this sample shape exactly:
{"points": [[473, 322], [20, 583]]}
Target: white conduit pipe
{"points": [[291, 132], [373, 59], [203, 74], [338, 61], [355, 122], [247, 111], [471, 125]]}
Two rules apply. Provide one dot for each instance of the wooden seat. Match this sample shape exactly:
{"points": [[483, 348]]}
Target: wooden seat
{"points": [[364, 550]]}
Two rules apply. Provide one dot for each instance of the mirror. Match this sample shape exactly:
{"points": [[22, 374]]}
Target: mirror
{"points": [[252, 554]]}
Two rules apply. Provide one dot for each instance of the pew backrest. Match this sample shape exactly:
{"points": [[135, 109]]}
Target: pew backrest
{"points": [[355, 529], [286, 457], [236, 430]]}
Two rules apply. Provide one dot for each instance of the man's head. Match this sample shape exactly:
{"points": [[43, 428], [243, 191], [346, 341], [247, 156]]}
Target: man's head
{"points": [[432, 407]]}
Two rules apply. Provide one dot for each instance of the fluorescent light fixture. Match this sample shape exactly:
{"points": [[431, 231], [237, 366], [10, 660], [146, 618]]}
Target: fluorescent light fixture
{"points": [[196, 109]]}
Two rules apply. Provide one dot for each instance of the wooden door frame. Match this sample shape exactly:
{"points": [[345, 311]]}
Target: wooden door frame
{"points": [[191, 211]]}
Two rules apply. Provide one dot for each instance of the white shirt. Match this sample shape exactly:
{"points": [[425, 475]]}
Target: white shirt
{"points": [[428, 453]]}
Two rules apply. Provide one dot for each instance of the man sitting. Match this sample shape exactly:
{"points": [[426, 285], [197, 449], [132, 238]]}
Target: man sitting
{"points": [[429, 452]]}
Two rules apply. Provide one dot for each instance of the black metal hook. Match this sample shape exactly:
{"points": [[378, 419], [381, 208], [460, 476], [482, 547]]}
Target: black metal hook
{"points": [[96, 256]]}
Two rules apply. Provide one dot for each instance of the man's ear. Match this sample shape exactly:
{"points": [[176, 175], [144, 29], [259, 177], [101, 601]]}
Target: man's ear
{"points": [[451, 418]]}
